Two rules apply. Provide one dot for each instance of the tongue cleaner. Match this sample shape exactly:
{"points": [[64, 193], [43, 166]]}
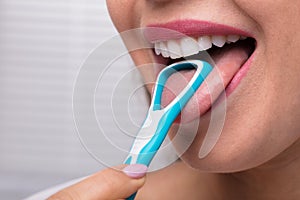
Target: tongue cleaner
{"points": [[159, 120]]}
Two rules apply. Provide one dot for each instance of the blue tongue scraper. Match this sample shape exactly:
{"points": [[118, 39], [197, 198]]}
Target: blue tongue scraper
{"points": [[158, 120]]}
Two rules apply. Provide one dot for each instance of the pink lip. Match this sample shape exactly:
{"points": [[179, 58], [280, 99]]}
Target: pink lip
{"points": [[239, 75], [233, 84], [180, 28]]}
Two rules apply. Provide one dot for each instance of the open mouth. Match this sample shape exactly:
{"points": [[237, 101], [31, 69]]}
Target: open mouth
{"points": [[188, 48], [227, 49], [228, 54]]}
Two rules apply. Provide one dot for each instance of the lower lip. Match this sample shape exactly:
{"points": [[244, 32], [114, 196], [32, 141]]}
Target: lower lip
{"points": [[239, 75], [233, 84]]}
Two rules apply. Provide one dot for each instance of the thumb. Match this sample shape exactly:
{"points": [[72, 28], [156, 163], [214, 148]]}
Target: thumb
{"points": [[109, 184]]}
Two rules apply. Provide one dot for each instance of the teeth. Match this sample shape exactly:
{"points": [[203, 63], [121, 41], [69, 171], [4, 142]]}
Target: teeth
{"points": [[218, 40], [233, 38], [164, 50], [204, 43], [157, 48], [174, 49], [188, 46]]}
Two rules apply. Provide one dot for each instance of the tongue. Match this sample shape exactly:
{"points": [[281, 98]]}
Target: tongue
{"points": [[228, 61]]}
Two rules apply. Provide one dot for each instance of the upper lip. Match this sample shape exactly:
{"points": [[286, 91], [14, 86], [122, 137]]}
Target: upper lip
{"points": [[192, 28]]}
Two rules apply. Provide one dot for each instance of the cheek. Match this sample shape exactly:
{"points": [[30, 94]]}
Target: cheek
{"points": [[270, 14], [279, 23], [123, 13]]}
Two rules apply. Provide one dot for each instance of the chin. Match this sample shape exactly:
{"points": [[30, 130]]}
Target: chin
{"points": [[241, 146]]}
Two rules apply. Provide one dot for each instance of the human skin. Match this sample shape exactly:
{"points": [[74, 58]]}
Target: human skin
{"points": [[113, 183], [259, 146]]}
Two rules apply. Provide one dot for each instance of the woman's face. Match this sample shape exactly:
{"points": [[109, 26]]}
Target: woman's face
{"points": [[263, 98]]}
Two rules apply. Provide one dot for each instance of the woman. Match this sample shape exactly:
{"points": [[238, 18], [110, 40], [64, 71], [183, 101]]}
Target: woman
{"points": [[257, 154]]}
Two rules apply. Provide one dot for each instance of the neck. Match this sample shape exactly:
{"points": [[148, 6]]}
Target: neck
{"points": [[277, 179]]}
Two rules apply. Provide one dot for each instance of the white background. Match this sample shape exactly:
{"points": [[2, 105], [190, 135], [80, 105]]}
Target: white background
{"points": [[42, 45]]}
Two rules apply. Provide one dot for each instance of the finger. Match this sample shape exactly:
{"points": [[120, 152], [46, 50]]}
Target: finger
{"points": [[109, 184]]}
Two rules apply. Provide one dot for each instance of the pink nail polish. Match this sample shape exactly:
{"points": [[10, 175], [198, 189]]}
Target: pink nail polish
{"points": [[135, 170]]}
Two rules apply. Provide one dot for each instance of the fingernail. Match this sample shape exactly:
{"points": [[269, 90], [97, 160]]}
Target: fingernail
{"points": [[135, 170]]}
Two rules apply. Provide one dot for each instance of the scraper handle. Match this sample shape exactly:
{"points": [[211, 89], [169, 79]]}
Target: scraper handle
{"points": [[160, 120]]}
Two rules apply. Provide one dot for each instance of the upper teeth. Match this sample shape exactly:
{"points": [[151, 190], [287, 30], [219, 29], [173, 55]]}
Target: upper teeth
{"points": [[188, 46]]}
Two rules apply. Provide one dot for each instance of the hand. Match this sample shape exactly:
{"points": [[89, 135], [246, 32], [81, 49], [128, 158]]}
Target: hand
{"points": [[109, 184]]}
